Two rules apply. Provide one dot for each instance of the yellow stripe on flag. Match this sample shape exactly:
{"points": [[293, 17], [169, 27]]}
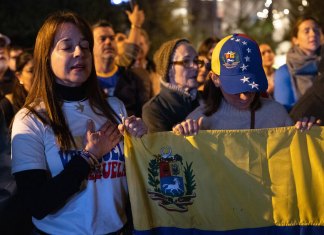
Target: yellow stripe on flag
{"points": [[224, 180]]}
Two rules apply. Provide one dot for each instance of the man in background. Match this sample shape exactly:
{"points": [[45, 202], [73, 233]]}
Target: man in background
{"points": [[6, 76]]}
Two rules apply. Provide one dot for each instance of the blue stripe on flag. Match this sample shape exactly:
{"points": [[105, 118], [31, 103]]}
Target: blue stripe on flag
{"points": [[274, 230]]}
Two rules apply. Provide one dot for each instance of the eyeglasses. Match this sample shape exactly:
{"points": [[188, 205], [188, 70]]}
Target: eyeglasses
{"points": [[189, 63], [208, 65]]}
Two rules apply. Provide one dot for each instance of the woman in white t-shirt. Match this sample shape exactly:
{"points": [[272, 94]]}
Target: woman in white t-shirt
{"points": [[67, 147]]}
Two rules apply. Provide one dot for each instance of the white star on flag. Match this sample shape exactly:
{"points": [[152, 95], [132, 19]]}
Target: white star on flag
{"points": [[244, 43], [247, 59], [249, 50], [245, 79], [244, 67], [232, 38], [237, 40], [254, 85]]}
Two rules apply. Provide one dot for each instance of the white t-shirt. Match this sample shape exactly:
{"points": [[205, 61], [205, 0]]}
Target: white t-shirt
{"points": [[99, 208]]}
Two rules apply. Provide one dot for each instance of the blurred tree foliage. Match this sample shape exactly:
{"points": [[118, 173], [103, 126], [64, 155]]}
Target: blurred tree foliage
{"points": [[21, 19], [159, 22], [313, 8], [259, 29]]}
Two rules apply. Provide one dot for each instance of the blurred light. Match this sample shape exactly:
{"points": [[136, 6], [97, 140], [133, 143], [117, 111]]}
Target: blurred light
{"points": [[277, 24], [220, 0], [180, 11], [265, 11], [305, 3], [286, 11], [300, 8], [268, 3], [275, 15], [117, 2], [262, 15]]}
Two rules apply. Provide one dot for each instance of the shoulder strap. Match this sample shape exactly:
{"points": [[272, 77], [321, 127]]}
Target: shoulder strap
{"points": [[252, 122]]}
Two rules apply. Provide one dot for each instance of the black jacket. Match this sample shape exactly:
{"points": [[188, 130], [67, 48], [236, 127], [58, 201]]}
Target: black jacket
{"points": [[131, 89], [6, 82], [311, 103], [166, 109]]}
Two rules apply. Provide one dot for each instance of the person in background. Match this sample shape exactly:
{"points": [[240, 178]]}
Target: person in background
{"points": [[234, 102], [294, 78], [6, 75], [121, 39], [14, 219], [177, 64], [312, 102], [205, 51], [142, 60], [67, 150], [118, 80], [267, 63], [145, 67], [14, 52]]}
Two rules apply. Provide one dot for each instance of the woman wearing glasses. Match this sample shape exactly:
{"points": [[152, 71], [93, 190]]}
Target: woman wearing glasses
{"points": [[177, 65]]}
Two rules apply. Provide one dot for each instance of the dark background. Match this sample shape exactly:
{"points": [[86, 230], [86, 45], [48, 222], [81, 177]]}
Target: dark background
{"points": [[21, 19]]}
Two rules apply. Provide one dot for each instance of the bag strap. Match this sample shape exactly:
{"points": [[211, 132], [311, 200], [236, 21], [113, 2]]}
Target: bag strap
{"points": [[252, 122]]}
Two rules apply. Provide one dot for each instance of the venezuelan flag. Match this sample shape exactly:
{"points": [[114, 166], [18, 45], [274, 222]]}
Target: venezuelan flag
{"points": [[263, 181]]}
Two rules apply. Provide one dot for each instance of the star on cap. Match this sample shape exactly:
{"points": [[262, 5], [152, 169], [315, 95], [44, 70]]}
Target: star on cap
{"points": [[254, 85], [249, 50], [237, 40], [244, 67], [247, 59], [245, 79], [232, 38], [244, 43]]}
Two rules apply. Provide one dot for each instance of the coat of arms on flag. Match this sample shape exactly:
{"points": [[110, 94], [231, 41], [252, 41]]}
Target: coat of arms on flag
{"points": [[172, 181]]}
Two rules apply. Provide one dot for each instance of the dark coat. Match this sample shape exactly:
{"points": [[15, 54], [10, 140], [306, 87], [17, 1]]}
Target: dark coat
{"points": [[311, 103], [6, 83], [132, 91], [166, 109]]}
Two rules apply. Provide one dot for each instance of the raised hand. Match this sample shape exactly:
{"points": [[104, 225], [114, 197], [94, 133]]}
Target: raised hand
{"points": [[136, 17]]}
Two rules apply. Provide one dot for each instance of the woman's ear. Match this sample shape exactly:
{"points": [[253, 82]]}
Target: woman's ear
{"points": [[295, 41], [19, 77], [215, 78]]}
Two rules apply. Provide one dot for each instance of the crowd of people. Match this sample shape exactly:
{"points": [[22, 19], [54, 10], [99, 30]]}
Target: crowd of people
{"points": [[66, 104]]}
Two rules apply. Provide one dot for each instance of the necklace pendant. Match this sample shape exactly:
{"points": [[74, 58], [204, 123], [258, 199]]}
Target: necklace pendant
{"points": [[79, 107]]}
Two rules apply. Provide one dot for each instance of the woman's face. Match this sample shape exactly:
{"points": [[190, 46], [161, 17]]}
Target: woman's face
{"points": [[308, 37], [267, 55], [26, 75], [184, 77], [71, 59], [241, 101], [204, 70]]}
